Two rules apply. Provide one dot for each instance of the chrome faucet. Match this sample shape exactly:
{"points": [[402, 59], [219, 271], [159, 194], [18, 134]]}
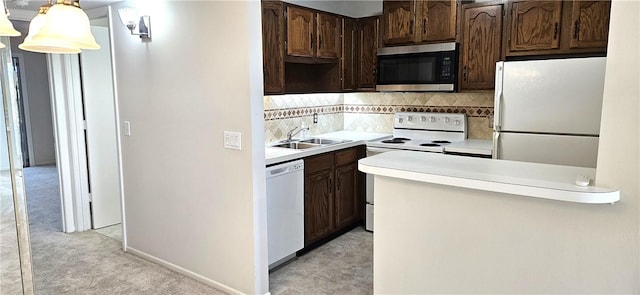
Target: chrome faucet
{"points": [[293, 132]]}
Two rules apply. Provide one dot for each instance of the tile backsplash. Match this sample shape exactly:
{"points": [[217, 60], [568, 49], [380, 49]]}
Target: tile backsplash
{"points": [[370, 111]]}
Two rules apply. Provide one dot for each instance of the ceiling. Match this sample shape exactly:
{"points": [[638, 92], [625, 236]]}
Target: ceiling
{"points": [[32, 5]]}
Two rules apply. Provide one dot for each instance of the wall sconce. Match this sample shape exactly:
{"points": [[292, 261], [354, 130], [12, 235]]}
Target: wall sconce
{"points": [[131, 19]]}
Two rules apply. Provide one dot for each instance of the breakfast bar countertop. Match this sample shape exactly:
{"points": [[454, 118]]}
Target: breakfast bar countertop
{"points": [[518, 178]]}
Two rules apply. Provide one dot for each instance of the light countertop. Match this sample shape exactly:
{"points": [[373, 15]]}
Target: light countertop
{"points": [[470, 146], [519, 178], [275, 155]]}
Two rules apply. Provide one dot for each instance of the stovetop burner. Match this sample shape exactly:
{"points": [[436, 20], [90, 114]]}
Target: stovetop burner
{"points": [[440, 141], [429, 144], [396, 140]]}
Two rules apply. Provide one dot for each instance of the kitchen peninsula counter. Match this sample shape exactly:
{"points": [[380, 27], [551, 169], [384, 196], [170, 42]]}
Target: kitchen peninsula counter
{"points": [[517, 178], [451, 224]]}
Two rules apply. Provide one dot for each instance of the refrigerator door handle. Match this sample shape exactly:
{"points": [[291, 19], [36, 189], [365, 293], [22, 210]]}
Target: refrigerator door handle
{"points": [[497, 117], [496, 140]]}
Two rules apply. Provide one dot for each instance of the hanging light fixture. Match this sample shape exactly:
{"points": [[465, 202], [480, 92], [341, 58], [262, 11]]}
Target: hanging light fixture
{"points": [[6, 27], [65, 26], [34, 27], [2, 45]]}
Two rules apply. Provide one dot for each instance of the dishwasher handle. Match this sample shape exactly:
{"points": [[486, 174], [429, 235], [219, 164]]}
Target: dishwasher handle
{"points": [[285, 168]]}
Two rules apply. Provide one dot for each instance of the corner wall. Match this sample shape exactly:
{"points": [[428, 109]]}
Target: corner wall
{"points": [[190, 204]]}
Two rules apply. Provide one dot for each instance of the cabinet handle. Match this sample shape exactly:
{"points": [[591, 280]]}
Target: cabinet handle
{"points": [[424, 26], [555, 31], [576, 31], [464, 73], [330, 185], [319, 41], [312, 40], [411, 27]]}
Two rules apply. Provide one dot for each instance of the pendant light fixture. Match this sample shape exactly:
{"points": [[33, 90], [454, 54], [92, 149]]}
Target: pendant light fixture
{"points": [[65, 26], [34, 27], [6, 27]]}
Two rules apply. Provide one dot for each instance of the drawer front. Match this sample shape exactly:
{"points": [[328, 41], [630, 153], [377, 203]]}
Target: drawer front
{"points": [[346, 156], [317, 163]]}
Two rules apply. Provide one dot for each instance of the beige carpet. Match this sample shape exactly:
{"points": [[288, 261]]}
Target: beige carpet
{"points": [[92, 263], [88, 262]]}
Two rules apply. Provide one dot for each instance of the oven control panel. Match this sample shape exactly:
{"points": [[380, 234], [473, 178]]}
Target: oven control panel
{"points": [[431, 121]]}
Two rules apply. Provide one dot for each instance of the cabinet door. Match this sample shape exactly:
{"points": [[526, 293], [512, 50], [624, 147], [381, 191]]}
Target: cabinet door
{"points": [[300, 32], [482, 30], [398, 21], [438, 20], [535, 25], [318, 205], [328, 36], [590, 21], [273, 46], [346, 197], [348, 61], [367, 53]]}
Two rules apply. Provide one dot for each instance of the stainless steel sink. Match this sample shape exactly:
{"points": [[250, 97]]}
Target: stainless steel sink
{"points": [[296, 145], [308, 143], [322, 141]]}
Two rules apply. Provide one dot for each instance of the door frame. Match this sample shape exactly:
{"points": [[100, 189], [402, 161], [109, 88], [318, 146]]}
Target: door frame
{"points": [[25, 104]]}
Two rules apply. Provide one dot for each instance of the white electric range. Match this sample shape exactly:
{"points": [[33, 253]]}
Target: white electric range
{"points": [[425, 132]]}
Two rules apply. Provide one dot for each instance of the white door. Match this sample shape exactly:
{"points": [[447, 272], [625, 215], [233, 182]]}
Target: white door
{"points": [[102, 153]]}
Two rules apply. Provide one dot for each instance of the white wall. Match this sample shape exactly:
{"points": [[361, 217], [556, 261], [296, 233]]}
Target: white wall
{"points": [[352, 8], [619, 149], [39, 101], [189, 203]]}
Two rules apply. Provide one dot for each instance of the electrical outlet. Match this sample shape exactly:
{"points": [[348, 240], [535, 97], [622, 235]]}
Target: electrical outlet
{"points": [[315, 118]]}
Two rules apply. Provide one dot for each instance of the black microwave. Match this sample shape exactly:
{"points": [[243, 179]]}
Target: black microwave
{"points": [[427, 67]]}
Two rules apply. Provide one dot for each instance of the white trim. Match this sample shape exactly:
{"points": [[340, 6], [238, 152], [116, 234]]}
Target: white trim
{"points": [[185, 272], [118, 129], [67, 110], [25, 104]]}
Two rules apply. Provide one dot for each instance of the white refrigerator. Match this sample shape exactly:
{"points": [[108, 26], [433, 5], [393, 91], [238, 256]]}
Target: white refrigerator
{"points": [[548, 111]]}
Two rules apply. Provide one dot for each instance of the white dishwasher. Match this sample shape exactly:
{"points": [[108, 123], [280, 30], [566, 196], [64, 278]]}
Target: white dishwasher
{"points": [[285, 211]]}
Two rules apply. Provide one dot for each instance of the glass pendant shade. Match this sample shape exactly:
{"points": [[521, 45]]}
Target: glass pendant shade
{"points": [[34, 28], [6, 27], [2, 45], [129, 16], [66, 26]]}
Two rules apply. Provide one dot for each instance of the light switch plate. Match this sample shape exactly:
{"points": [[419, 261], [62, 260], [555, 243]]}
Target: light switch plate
{"points": [[232, 140]]}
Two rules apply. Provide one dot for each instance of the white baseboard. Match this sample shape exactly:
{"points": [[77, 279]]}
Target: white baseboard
{"points": [[184, 271]]}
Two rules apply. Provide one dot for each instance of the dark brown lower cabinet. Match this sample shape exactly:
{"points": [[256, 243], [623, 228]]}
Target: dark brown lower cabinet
{"points": [[333, 193]]}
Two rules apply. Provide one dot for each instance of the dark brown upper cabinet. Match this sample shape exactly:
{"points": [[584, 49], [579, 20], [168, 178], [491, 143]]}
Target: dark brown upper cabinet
{"points": [[273, 46], [535, 25], [328, 35], [312, 34], [557, 27], [438, 20], [590, 24], [367, 52], [409, 22], [300, 32], [398, 22], [348, 60], [481, 46]]}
